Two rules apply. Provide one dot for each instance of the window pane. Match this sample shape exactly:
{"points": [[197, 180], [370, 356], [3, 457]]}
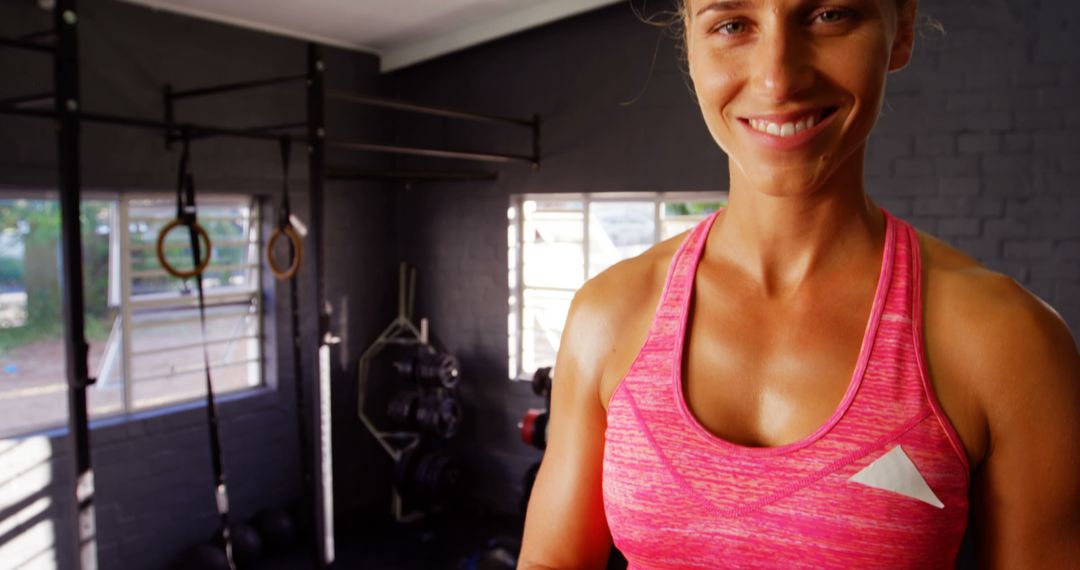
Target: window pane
{"points": [[677, 217], [552, 237], [544, 315], [231, 226], [33, 381], [104, 332], [167, 357], [551, 258], [106, 363], [618, 230]]}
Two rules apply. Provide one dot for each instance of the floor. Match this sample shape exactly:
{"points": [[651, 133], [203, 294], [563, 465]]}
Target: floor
{"points": [[444, 542], [450, 541]]}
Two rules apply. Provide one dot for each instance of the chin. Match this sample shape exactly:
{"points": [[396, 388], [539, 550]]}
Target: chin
{"points": [[780, 181]]}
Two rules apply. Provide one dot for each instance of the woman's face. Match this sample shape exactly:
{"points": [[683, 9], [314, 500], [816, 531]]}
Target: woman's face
{"points": [[790, 89]]}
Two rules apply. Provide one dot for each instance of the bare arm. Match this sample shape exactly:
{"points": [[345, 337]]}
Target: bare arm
{"points": [[565, 526], [994, 343], [1027, 494]]}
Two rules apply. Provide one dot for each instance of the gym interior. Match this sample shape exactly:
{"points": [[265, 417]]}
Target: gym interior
{"points": [[433, 182]]}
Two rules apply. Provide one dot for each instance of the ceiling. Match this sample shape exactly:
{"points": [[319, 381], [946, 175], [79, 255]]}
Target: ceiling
{"points": [[400, 32]]}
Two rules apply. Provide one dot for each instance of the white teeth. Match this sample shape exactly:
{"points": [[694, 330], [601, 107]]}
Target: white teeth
{"points": [[783, 130]]}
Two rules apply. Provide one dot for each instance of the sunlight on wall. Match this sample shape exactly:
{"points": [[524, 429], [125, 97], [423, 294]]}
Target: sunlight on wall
{"points": [[27, 535]]}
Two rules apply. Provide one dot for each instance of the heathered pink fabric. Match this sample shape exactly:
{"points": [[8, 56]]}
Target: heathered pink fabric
{"points": [[677, 496]]}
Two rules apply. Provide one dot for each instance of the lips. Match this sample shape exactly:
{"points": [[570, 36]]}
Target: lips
{"points": [[788, 124]]}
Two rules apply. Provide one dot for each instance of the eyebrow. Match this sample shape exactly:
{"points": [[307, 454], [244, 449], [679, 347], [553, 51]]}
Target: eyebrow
{"points": [[724, 5]]}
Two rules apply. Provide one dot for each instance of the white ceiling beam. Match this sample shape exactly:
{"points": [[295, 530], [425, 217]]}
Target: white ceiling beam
{"points": [[399, 55], [177, 8], [406, 54]]}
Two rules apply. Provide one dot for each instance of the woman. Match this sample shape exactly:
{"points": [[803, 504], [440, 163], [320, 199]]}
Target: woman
{"points": [[705, 413]]}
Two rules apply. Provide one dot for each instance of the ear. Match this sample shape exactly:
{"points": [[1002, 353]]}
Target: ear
{"points": [[904, 42]]}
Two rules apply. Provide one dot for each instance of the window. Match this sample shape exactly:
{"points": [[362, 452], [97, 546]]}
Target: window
{"points": [[550, 256], [142, 325]]}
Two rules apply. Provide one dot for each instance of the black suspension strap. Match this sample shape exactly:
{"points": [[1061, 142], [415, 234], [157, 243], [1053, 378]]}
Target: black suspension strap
{"points": [[186, 214], [285, 227], [184, 218]]}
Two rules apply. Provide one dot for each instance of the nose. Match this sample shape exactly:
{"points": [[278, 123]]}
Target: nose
{"points": [[780, 64]]}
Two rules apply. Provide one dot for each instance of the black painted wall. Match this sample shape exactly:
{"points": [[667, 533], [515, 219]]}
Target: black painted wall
{"points": [[979, 144], [152, 470]]}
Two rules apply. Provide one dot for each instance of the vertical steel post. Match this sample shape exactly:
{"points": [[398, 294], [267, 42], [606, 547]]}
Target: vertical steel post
{"points": [[67, 105], [319, 480], [316, 174], [536, 142]]}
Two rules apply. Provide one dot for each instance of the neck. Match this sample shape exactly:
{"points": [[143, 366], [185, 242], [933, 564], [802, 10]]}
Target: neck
{"points": [[783, 240]]}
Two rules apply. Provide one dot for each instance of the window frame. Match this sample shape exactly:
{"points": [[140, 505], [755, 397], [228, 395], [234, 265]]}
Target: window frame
{"points": [[121, 284], [130, 304], [516, 250]]}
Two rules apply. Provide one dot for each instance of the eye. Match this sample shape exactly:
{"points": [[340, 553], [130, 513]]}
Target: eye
{"points": [[833, 15], [730, 27]]}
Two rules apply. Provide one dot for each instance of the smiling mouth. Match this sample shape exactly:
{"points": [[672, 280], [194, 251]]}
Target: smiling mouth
{"points": [[792, 126]]}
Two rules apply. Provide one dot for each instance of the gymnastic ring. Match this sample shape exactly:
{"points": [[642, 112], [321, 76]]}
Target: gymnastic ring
{"points": [[294, 237], [161, 249]]}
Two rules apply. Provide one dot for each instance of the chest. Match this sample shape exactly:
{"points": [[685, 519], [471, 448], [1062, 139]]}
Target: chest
{"points": [[760, 373]]}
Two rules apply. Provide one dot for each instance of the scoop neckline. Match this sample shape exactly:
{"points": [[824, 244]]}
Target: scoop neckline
{"points": [[865, 350]]}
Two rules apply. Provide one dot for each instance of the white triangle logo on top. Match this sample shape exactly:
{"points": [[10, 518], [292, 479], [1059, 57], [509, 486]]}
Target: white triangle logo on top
{"points": [[895, 472]]}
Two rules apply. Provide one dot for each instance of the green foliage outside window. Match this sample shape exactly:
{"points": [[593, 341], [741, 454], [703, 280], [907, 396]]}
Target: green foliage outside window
{"points": [[691, 208], [36, 272]]}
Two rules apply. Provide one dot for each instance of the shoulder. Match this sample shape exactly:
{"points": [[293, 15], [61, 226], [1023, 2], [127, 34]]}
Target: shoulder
{"points": [[985, 309], [991, 339], [610, 315]]}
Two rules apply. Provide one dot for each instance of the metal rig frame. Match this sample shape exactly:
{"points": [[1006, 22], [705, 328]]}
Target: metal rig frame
{"points": [[69, 116]]}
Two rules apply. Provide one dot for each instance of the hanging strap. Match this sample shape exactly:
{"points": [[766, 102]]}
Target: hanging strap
{"points": [[186, 213], [284, 223], [304, 427], [185, 216], [285, 145]]}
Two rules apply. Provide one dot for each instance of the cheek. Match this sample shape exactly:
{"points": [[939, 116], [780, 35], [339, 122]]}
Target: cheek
{"points": [[870, 87], [715, 85], [869, 71], [859, 71]]}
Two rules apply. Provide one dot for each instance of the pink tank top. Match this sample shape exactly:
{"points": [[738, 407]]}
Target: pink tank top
{"points": [[883, 484]]}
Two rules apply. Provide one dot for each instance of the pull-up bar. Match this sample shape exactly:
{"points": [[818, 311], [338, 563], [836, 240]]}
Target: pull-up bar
{"points": [[27, 45], [431, 152], [241, 85], [532, 124], [49, 33], [24, 99], [172, 129], [341, 173], [426, 109]]}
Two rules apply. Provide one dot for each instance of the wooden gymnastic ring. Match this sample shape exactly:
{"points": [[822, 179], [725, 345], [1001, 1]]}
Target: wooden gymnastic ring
{"points": [[161, 249], [291, 233]]}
